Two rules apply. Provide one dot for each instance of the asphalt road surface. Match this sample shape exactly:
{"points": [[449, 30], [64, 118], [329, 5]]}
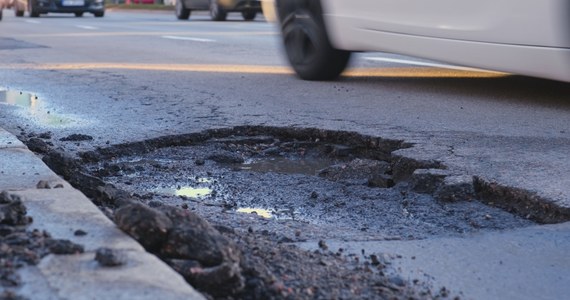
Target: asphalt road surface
{"points": [[132, 76]]}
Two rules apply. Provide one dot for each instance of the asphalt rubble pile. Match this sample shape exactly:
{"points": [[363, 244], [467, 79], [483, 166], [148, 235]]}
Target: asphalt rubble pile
{"points": [[20, 247]]}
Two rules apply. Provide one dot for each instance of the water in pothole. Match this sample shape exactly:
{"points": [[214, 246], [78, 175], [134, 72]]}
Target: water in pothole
{"points": [[186, 191], [286, 165], [34, 107]]}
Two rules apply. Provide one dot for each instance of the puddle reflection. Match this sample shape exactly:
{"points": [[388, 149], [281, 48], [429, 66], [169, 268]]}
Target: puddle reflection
{"points": [[32, 104], [264, 213], [186, 191]]}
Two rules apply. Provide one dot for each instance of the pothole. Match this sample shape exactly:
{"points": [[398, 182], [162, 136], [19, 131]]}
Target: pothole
{"points": [[263, 189], [341, 183]]}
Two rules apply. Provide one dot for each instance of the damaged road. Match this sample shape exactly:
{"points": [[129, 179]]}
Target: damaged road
{"points": [[232, 210]]}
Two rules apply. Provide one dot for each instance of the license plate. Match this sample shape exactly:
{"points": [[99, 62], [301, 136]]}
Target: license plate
{"points": [[73, 2]]}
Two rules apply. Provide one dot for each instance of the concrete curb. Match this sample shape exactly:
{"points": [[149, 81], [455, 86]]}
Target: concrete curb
{"points": [[63, 210]]}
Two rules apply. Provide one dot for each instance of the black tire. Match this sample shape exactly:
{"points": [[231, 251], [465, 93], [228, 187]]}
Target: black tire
{"points": [[248, 15], [0, 13], [99, 14], [18, 13], [182, 13], [217, 13], [79, 14], [32, 9], [309, 50]]}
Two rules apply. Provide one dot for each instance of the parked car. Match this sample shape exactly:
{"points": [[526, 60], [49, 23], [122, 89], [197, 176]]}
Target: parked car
{"points": [[78, 7], [219, 9], [527, 37]]}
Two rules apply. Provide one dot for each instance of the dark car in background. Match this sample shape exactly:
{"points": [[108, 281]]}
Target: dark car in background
{"points": [[219, 9], [78, 7]]}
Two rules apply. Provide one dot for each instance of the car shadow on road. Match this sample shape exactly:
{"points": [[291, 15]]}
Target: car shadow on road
{"points": [[508, 88]]}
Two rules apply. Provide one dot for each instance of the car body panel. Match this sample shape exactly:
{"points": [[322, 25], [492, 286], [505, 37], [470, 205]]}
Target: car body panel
{"points": [[493, 21], [530, 37]]}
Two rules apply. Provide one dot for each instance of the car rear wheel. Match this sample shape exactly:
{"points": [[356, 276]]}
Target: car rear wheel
{"points": [[99, 14], [248, 15], [18, 13], [308, 48], [79, 14], [217, 13], [182, 13], [34, 13]]}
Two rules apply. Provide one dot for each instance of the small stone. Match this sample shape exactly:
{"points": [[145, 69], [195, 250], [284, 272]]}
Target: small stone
{"points": [[314, 195], [12, 211], [199, 162], [323, 245], [64, 247], [79, 232], [374, 259], [110, 257], [42, 184], [37, 145], [58, 186]]}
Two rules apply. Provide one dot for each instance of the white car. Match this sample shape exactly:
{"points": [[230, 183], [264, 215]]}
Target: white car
{"points": [[527, 37]]}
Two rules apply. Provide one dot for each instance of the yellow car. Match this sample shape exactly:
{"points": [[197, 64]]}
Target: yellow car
{"points": [[19, 7]]}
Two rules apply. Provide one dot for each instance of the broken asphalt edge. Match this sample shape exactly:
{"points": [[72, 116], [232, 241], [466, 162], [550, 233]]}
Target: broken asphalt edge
{"points": [[417, 162], [61, 212]]}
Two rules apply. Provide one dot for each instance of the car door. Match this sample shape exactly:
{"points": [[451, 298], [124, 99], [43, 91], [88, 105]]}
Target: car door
{"points": [[524, 22]]}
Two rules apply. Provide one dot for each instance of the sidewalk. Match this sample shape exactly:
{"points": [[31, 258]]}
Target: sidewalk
{"points": [[63, 211]]}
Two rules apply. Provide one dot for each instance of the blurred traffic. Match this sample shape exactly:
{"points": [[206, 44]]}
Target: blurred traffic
{"points": [[35, 8], [319, 36]]}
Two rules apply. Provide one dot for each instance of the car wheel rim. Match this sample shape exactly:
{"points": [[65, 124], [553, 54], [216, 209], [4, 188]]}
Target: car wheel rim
{"points": [[300, 46]]}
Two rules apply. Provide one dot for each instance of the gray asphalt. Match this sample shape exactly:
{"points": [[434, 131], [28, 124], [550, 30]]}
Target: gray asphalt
{"points": [[93, 74]]}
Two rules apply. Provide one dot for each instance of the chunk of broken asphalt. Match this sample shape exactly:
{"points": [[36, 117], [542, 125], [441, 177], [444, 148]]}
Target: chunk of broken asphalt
{"points": [[110, 257]]}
